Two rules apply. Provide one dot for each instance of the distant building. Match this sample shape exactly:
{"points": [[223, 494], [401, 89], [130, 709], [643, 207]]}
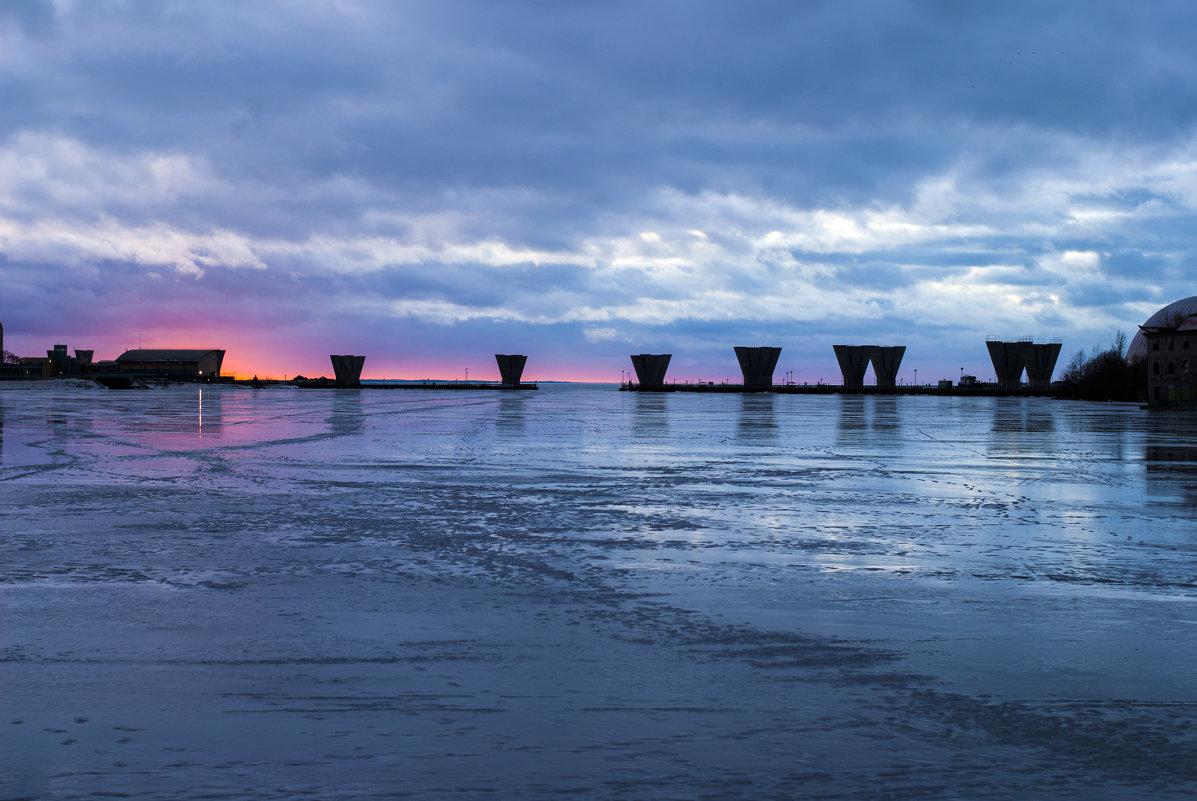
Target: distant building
{"points": [[1171, 353], [176, 365], [57, 363]]}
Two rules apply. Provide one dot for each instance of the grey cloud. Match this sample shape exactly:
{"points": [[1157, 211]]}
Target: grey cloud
{"points": [[574, 127]]}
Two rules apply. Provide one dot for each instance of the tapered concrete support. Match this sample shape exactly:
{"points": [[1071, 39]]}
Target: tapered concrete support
{"points": [[1008, 359], [511, 367], [854, 361], [83, 357], [886, 361], [650, 368], [757, 365], [1041, 362], [348, 369]]}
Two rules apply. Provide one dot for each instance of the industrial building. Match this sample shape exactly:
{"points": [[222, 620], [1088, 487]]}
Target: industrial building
{"points": [[1171, 351], [1012, 357], [854, 361], [57, 363], [171, 364]]}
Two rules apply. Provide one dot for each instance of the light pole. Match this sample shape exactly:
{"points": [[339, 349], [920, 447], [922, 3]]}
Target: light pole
{"points": [[916, 377]]}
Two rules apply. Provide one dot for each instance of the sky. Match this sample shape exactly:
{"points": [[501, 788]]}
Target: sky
{"points": [[429, 183]]}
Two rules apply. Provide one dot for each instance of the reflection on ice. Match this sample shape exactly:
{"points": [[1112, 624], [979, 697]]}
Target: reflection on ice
{"points": [[650, 414], [1023, 426], [209, 412], [592, 593], [345, 416], [510, 419], [756, 417], [871, 421]]}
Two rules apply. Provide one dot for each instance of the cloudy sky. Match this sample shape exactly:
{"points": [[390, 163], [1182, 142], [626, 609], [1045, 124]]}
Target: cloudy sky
{"points": [[428, 183]]}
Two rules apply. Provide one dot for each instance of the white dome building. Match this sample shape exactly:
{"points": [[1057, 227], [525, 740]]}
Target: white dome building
{"points": [[1173, 311]]}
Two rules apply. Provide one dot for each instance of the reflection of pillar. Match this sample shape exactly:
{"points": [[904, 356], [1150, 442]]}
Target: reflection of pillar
{"points": [[348, 369], [511, 367], [757, 365], [650, 415], [1041, 362], [650, 368], [510, 419], [756, 417], [1008, 360], [853, 362], [886, 360]]}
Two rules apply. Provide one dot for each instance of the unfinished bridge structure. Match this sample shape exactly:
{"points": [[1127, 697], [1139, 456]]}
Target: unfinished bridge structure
{"points": [[854, 361], [650, 368], [348, 369], [1011, 357], [511, 367], [757, 365]]}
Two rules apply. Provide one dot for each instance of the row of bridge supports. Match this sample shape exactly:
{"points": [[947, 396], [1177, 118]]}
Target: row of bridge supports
{"points": [[757, 365], [348, 369], [1010, 359]]}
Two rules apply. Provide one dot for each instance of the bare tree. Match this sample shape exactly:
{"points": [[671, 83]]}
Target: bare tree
{"points": [[1076, 366], [7, 357], [1119, 344]]}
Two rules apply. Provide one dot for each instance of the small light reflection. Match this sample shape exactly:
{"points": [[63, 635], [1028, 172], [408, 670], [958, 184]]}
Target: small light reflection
{"points": [[201, 413]]}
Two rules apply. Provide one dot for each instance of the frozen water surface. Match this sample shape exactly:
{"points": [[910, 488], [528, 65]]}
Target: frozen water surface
{"points": [[235, 593]]}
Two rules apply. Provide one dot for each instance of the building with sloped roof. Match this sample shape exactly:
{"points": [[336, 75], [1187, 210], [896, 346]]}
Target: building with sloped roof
{"points": [[172, 364]]}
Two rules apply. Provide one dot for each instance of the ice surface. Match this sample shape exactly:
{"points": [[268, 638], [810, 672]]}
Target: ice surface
{"points": [[276, 593]]}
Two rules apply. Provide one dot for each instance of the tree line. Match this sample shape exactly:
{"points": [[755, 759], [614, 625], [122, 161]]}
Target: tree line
{"points": [[1105, 374]]}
